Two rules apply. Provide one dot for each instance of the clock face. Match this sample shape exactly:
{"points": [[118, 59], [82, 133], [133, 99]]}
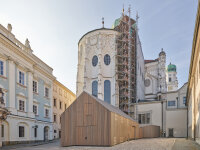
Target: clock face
{"points": [[147, 82]]}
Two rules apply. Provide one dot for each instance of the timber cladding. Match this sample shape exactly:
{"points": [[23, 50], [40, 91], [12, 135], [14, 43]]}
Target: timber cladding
{"points": [[150, 131], [90, 121]]}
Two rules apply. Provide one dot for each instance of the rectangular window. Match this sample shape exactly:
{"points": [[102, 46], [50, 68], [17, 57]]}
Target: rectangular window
{"points": [[35, 86], [55, 131], [170, 79], [1, 68], [54, 118], [35, 109], [46, 92], [46, 113], [65, 106], [21, 131], [60, 105], [2, 130], [21, 78], [144, 118], [54, 102], [139, 119], [184, 100], [21, 105], [171, 103], [35, 132]]}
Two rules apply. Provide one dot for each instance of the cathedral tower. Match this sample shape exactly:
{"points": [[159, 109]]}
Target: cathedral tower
{"points": [[162, 86], [172, 81]]}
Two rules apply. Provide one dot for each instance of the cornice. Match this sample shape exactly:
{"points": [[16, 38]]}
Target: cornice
{"points": [[27, 57], [60, 84]]}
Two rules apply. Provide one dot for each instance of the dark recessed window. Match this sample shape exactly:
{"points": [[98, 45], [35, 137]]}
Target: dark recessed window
{"points": [[94, 60], [21, 131], [107, 59]]}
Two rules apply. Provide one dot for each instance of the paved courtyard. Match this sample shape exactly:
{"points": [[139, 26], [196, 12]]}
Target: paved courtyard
{"points": [[142, 144]]}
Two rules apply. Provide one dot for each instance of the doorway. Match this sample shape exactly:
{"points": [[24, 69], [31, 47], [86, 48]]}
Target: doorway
{"points": [[46, 133], [171, 132]]}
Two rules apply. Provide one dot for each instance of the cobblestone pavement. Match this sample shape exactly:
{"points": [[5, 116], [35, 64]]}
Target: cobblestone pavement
{"points": [[142, 144]]}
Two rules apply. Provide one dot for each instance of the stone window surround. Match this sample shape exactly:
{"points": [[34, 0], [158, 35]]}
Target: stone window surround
{"points": [[45, 108], [20, 70], [145, 112], [35, 104], [36, 92], [22, 98], [47, 96]]}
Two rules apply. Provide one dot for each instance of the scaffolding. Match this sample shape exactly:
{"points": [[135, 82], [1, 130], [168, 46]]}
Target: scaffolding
{"points": [[126, 63]]}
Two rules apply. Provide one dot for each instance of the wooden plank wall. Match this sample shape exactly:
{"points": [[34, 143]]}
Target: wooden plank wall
{"points": [[85, 122], [150, 131], [123, 129]]}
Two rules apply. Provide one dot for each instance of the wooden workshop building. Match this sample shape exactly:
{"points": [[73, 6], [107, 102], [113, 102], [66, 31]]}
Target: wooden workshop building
{"points": [[93, 122]]}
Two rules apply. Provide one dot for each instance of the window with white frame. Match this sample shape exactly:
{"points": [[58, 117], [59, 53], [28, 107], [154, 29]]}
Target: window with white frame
{"points": [[144, 118], [35, 86], [21, 78], [21, 105], [46, 92], [1, 68], [35, 109], [46, 112]]}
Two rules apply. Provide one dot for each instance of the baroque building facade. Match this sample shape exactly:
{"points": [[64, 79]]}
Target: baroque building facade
{"points": [[193, 95], [164, 104], [155, 77], [98, 66], [27, 83], [62, 99], [159, 79]]}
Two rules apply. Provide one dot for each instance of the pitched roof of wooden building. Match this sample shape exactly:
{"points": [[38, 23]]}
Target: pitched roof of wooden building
{"points": [[110, 107]]}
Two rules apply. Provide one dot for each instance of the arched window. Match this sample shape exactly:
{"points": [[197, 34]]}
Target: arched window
{"points": [[107, 59], [107, 91], [94, 60], [95, 88]]}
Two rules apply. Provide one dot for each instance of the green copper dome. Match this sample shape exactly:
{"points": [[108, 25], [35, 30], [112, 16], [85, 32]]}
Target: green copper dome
{"points": [[116, 23], [171, 68]]}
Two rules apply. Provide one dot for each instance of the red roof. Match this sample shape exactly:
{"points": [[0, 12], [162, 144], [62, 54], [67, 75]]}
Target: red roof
{"points": [[150, 61]]}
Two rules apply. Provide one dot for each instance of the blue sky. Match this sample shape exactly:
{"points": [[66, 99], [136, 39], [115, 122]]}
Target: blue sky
{"points": [[54, 28]]}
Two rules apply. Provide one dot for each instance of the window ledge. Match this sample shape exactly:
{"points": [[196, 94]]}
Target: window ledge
{"points": [[21, 111], [2, 76], [46, 97], [35, 93], [47, 117], [21, 85]]}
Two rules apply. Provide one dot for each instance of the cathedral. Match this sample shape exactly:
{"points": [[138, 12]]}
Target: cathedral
{"points": [[111, 64], [159, 79]]}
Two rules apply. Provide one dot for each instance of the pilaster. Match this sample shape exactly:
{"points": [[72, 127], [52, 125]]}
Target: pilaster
{"points": [[30, 94], [12, 82]]}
